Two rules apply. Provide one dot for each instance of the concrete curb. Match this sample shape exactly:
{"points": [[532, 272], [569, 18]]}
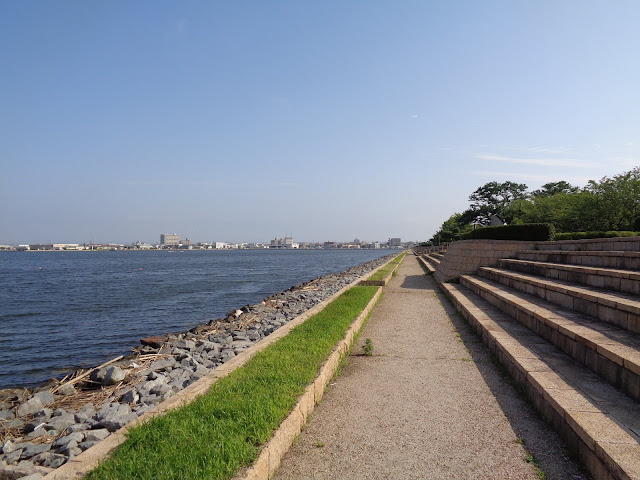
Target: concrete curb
{"points": [[273, 452], [79, 466], [384, 282]]}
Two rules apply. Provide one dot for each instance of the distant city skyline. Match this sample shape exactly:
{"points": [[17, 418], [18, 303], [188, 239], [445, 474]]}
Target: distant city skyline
{"points": [[239, 121], [174, 239]]}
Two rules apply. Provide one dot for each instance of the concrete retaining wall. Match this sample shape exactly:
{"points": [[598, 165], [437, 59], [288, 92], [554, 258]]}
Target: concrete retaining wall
{"points": [[464, 257]]}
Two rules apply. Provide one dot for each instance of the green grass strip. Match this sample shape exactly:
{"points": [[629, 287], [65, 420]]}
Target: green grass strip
{"points": [[222, 431], [386, 270]]}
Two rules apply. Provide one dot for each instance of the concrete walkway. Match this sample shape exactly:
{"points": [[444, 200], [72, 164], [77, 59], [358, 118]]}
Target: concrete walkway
{"points": [[428, 405]]}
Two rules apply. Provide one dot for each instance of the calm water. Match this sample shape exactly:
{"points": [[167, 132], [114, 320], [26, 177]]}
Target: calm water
{"points": [[63, 310]]}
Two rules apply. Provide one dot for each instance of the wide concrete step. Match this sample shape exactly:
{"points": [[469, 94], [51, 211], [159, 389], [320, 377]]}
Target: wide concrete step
{"points": [[430, 269], [434, 258], [437, 255], [630, 244], [610, 259], [616, 308], [609, 351], [599, 424], [610, 278]]}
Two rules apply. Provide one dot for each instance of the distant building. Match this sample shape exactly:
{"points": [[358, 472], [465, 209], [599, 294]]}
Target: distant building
{"points": [[66, 246], [330, 245], [276, 243], [395, 242], [169, 239], [40, 246], [286, 242], [496, 221]]}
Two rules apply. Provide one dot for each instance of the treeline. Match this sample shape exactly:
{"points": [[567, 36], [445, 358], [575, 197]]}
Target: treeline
{"points": [[610, 204]]}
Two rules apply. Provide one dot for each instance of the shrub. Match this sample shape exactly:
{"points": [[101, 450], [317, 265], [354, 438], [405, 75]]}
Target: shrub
{"points": [[530, 232], [586, 235]]}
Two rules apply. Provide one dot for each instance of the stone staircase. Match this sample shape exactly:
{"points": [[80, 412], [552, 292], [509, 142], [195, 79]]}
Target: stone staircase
{"points": [[566, 324], [430, 257]]}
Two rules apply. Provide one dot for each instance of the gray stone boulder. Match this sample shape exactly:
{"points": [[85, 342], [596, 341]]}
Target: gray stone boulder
{"points": [[96, 435], [7, 415], [46, 397], [160, 389], [30, 407], [61, 422], [185, 344], [178, 383], [9, 446], [37, 433], [87, 445], [108, 375], [44, 414], [72, 450], [130, 396], [63, 442], [226, 356], [29, 450], [114, 375], [67, 389], [115, 416], [78, 427], [13, 457], [162, 364], [85, 413], [55, 460], [179, 373]]}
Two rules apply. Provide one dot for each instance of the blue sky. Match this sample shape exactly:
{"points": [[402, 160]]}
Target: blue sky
{"points": [[241, 121]]}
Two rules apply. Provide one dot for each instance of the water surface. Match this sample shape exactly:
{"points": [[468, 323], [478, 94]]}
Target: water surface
{"points": [[64, 310]]}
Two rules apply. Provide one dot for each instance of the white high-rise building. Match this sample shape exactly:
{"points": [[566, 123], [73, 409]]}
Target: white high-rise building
{"points": [[169, 239]]}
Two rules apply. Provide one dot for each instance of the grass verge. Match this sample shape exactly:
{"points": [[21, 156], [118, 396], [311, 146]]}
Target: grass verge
{"points": [[222, 431], [387, 269]]}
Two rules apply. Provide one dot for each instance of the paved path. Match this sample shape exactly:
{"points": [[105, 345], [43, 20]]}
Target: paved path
{"points": [[428, 405]]}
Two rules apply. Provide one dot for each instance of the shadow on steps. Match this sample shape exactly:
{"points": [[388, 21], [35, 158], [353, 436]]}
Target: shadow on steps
{"points": [[539, 439]]}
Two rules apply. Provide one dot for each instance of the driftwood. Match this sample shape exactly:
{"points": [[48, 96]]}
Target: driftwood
{"points": [[85, 374]]}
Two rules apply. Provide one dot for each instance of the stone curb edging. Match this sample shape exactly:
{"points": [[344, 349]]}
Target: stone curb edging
{"points": [[271, 455], [384, 282], [79, 466]]}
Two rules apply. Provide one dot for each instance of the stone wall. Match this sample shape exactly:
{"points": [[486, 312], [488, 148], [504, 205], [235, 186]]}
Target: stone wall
{"points": [[465, 256], [624, 244], [426, 250]]}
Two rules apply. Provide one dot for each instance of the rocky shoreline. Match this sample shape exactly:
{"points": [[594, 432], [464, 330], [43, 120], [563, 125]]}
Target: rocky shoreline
{"points": [[43, 428]]}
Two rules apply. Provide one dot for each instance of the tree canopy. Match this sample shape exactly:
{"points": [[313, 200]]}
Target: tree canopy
{"points": [[609, 204]]}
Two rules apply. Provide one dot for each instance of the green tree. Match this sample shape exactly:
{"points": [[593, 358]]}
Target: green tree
{"points": [[493, 198], [618, 200], [569, 212], [553, 188], [451, 230]]}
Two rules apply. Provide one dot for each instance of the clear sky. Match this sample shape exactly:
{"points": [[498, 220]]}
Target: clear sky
{"points": [[245, 120]]}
